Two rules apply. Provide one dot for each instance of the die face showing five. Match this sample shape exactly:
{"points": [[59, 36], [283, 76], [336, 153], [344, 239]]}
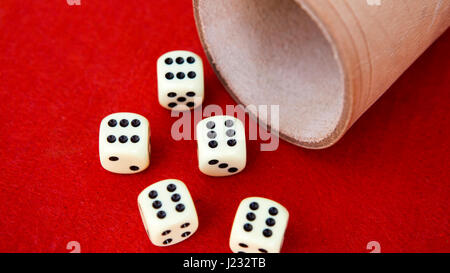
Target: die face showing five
{"points": [[168, 212], [221, 146], [180, 80], [124, 143], [259, 226]]}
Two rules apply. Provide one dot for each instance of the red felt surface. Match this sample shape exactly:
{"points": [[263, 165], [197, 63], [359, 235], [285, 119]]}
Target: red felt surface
{"points": [[63, 68]]}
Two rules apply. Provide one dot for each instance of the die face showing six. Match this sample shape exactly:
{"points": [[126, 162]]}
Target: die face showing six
{"points": [[221, 146], [124, 143], [166, 207], [180, 80], [168, 212], [259, 226]]}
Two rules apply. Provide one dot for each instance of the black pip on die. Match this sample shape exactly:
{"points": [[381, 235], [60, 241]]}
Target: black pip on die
{"points": [[124, 143], [221, 147], [168, 212], [180, 80], [258, 226]]}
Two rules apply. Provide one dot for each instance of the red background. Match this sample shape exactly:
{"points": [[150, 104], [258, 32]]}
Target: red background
{"points": [[63, 68]]}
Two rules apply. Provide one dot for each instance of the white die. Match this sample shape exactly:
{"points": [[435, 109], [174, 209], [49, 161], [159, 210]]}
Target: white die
{"points": [[221, 146], [180, 80], [168, 212], [124, 143], [258, 226]]}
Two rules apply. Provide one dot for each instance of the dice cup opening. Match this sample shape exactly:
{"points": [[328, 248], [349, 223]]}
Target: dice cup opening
{"points": [[324, 62], [269, 52]]}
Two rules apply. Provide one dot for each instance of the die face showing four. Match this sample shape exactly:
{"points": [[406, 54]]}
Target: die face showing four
{"points": [[180, 80], [221, 146], [168, 212], [124, 143], [259, 226]]}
